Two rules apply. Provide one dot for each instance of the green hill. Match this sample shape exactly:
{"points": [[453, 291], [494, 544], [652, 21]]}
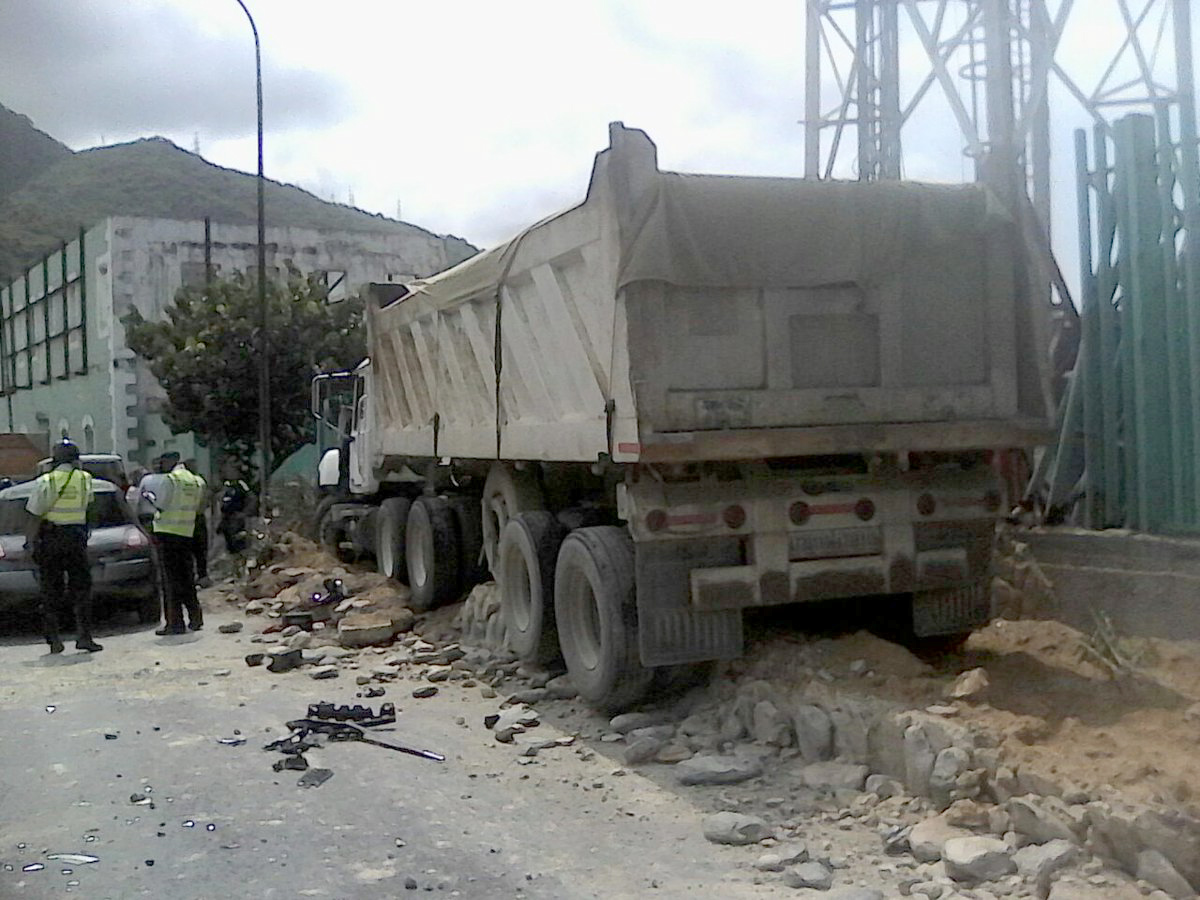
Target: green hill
{"points": [[24, 151], [156, 179]]}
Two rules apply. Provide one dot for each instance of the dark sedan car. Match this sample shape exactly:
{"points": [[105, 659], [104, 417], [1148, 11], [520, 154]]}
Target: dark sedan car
{"points": [[121, 554]]}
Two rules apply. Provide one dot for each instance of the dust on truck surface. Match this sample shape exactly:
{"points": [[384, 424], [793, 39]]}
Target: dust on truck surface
{"points": [[690, 395]]}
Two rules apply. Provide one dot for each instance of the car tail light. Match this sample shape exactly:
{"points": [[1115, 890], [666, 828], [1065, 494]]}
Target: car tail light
{"points": [[799, 512], [734, 516], [864, 509], [135, 537], [656, 520], [926, 504]]}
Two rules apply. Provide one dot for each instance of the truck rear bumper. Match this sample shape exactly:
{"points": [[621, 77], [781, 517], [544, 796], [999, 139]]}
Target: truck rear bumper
{"points": [[736, 587]]}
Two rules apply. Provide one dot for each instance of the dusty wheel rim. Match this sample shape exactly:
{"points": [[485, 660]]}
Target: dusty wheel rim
{"points": [[588, 647], [420, 551], [518, 588], [386, 549]]}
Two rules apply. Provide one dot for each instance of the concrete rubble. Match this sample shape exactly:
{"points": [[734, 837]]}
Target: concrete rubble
{"points": [[955, 812]]}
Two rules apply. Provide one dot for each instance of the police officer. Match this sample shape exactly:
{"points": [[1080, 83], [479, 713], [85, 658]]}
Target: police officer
{"points": [[174, 529], [58, 536]]}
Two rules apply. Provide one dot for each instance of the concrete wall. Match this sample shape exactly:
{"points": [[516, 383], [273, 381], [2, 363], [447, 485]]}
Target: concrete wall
{"points": [[142, 263], [1149, 586]]}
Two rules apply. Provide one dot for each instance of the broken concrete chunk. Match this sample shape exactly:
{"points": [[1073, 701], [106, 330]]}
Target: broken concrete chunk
{"points": [[1034, 818], [283, 659], [627, 722], [780, 858], [362, 629], [814, 732], [1038, 862], [971, 683], [320, 672], [834, 775], [735, 828], [642, 749], [974, 859], [1155, 868], [230, 628], [928, 839], [717, 770], [809, 875]]}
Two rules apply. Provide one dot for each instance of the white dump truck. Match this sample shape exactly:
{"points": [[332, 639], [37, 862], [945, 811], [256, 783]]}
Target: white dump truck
{"points": [[691, 395]]}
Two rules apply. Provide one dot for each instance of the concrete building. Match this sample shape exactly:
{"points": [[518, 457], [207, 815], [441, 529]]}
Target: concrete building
{"points": [[65, 368]]}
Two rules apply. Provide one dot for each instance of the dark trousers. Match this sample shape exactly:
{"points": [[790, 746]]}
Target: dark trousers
{"points": [[63, 566], [179, 579], [200, 545]]}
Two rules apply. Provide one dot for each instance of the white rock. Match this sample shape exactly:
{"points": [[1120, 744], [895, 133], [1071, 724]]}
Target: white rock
{"points": [[977, 859], [1155, 868], [1038, 862], [928, 838], [717, 770], [809, 875], [834, 775], [814, 732], [971, 683], [735, 828]]}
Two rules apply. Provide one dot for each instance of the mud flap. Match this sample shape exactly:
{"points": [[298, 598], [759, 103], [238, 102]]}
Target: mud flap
{"points": [[670, 631], [951, 610]]}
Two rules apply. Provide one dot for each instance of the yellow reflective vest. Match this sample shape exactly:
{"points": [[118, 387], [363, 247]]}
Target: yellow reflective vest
{"points": [[183, 503], [69, 491]]}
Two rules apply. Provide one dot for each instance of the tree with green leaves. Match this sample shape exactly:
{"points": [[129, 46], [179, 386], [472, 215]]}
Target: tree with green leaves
{"points": [[205, 356]]}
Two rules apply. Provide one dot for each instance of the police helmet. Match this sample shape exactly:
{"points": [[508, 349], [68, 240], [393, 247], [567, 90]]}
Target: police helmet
{"points": [[64, 453]]}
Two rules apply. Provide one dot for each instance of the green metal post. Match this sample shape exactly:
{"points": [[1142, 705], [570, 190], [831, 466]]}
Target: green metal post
{"points": [[1087, 366], [1143, 311], [1111, 387]]}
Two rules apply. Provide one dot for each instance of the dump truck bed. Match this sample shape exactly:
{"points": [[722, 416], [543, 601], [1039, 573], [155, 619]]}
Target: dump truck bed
{"points": [[686, 317]]}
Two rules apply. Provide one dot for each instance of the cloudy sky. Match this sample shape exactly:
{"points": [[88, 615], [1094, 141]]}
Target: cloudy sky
{"points": [[471, 117]]}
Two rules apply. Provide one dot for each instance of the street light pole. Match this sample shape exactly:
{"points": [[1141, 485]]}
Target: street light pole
{"points": [[264, 341]]}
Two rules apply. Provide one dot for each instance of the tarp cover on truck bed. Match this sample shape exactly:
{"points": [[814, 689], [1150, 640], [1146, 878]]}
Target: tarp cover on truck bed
{"points": [[668, 305]]}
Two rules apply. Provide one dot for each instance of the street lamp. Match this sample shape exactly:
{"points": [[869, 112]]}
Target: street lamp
{"points": [[264, 341]]}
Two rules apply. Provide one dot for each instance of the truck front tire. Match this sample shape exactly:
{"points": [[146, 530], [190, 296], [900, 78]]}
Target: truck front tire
{"points": [[526, 560], [432, 553], [390, 525], [595, 609]]}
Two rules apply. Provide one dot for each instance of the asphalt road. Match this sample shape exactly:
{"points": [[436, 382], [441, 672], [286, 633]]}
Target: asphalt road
{"points": [[81, 734]]}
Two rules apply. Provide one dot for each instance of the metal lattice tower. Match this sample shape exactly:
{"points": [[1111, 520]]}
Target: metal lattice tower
{"points": [[872, 66]]}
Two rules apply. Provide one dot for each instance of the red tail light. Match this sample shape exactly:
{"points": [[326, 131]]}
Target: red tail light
{"points": [[734, 516], [799, 512], [656, 520], [135, 537], [864, 509]]}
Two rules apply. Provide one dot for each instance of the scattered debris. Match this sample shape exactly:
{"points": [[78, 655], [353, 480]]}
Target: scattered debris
{"points": [[422, 693], [230, 628], [359, 715], [315, 777]]}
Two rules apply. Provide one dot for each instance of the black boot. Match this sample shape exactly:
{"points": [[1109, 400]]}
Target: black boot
{"points": [[56, 646], [171, 629], [86, 643]]}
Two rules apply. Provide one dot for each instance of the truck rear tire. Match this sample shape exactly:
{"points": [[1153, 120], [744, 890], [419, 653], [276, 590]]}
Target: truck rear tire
{"points": [[527, 556], [506, 492], [468, 519], [432, 553], [390, 525], [595, 609]]}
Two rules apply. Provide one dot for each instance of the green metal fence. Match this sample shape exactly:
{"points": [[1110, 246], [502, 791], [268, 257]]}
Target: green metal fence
{"points": [[1127, 452]]}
